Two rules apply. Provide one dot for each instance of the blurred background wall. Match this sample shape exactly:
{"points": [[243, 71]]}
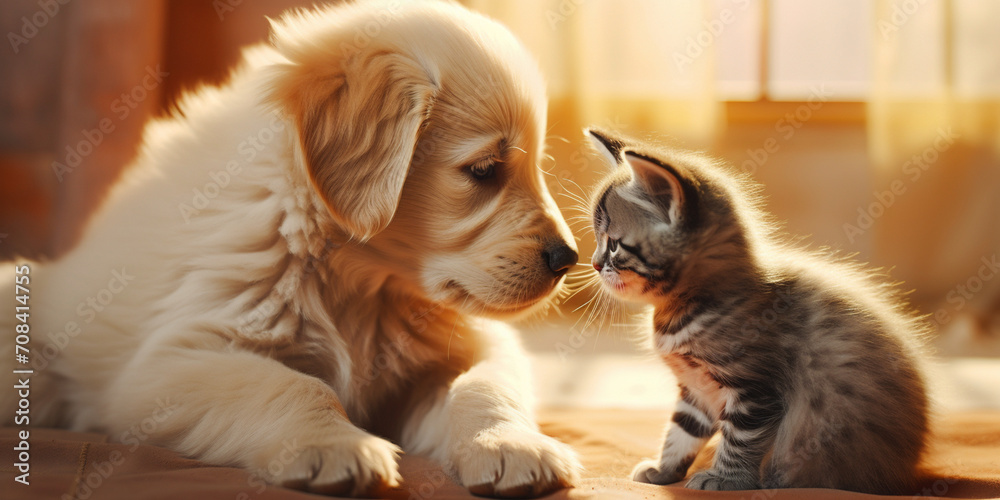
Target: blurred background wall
{"points": [[874, 125]]}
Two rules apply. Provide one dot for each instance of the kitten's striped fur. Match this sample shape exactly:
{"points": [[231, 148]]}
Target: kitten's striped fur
{"points": [[807, 366]]}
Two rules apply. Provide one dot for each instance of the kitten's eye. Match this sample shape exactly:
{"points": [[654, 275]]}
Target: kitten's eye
{"points": [[612, 245], [483, 171]]}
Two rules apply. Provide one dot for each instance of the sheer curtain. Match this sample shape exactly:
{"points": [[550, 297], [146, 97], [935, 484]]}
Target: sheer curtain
{"points": [[620, 63], [934, 130]]}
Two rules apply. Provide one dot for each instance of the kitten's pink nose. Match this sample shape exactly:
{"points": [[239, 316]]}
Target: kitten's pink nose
{"points": [[598, 266]]}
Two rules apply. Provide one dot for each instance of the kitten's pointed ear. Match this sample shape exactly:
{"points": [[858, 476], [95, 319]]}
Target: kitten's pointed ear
{"points": [[672, 188], [609, 147]]}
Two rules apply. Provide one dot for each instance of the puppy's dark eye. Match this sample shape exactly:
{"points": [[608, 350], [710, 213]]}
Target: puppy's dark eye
{"points": [[612, 245], [483, 171]]}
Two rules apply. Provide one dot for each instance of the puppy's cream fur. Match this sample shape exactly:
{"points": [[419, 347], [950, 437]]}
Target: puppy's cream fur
{"points": [[303, 259]]}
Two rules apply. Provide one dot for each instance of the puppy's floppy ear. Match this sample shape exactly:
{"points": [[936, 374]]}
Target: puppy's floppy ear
{"points": [[358, 121]]}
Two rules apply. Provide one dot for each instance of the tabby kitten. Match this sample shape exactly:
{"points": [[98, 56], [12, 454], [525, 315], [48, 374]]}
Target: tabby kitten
{"points": [[808, 366]]}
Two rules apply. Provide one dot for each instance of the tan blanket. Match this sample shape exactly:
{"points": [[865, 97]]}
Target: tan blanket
{"points": [[963, 462]]}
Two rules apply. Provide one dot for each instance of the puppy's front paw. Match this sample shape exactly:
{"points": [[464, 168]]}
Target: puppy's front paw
{"points": [[357, 464], [650, 471], [515, 463], [713, 480]]}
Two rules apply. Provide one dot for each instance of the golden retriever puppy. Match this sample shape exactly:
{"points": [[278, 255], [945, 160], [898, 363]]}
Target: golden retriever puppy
{"points": [[293, 276]]}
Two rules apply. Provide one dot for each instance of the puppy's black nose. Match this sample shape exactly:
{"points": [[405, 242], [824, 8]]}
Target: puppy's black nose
{"points": [[560, 258]]}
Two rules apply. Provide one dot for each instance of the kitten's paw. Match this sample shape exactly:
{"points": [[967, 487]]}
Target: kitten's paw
{"points": [[648, 471], [713, 480], [357, 465], [515, 463]]}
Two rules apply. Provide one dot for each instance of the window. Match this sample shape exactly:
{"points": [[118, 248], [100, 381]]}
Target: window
{"points": [[834, 45]]}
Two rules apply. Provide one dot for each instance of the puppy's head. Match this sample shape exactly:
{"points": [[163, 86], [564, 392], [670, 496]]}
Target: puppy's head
{"points": [[422, 127]]}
